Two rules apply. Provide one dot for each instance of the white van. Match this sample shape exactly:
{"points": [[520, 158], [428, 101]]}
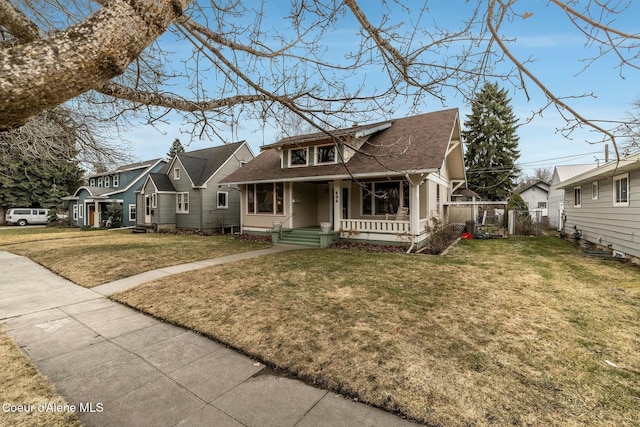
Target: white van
{"points": [[24, 216]]}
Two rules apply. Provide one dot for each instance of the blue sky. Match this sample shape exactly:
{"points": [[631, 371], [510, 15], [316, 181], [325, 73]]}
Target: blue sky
{"points": [[546, 36]]}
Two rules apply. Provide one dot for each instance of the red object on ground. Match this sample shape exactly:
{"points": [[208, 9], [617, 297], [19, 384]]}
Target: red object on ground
{"points": [[466, 236]]}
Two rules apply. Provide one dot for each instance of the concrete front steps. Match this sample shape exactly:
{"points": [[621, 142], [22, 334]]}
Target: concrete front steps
{"points": [[309, 237]]}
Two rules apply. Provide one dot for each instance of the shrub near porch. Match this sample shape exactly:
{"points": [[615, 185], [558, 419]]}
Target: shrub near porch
{"points": [[500, 332]]}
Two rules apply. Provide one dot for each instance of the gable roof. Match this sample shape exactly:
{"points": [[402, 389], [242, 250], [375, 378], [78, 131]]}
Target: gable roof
{"points": [[201, 164], [129, 167], [161, 182], [564, 172], [625, 164], [541, 184], [407, 145]]}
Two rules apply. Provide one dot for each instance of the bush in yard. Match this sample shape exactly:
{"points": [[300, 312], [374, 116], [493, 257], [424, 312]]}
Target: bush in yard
{"points": [[441, 235], [114, 214]]}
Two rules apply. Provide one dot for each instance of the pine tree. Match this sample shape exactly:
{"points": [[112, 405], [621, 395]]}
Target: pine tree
{"points": [[491, 140], [176, 148]]}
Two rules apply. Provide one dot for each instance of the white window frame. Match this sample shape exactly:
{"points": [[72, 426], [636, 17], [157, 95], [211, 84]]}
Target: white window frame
{"points": [[542, 205], [306, 157], [99, 181], [176, 173], [132, 210], [92, 182], [80, 211], [616, 180], [226, 200], [107, 181], [154, 200], [577, 191], [75, 212], [595, 190], [374, 210], [182, 203], [317, 154], [116, 180]]}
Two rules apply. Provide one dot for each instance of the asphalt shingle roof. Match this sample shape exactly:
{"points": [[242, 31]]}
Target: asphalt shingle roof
{"points": [[416, 143], [201, 164]]}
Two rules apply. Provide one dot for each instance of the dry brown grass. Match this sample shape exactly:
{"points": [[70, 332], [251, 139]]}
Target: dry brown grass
{"points": [[498, 332], [93, 258], [22, 384]]}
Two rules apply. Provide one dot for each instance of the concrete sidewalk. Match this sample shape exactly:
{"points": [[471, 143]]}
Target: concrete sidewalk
{"points": [[133, 370]]}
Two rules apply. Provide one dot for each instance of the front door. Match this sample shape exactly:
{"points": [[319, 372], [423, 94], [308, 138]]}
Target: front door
{"points": [[91, 209], [147, 209]]}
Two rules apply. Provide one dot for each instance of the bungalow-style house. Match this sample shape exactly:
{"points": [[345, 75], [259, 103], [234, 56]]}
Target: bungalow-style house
{"points": [[381, 182], [88, 205], [188, 194], [602, 206], [536, 195], [556, 195]]}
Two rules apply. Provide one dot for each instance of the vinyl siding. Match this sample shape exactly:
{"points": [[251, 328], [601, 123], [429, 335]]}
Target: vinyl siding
{"points": [[603, 223]]}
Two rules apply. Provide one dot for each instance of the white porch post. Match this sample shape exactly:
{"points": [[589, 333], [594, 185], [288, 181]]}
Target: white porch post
{"points": [[414, 208], [337, 204], [96, 214]]}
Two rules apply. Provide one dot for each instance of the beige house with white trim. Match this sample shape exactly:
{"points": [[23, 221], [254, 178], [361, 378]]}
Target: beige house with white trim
{"points": [[381, 182]]}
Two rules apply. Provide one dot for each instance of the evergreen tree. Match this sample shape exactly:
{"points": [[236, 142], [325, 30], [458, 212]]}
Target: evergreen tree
{"points": [[176, 148], [491, 144], [29, 179]]}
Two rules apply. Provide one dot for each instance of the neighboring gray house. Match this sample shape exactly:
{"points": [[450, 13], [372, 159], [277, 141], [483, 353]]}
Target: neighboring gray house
{"points": [[536, 195], [603, 205], [88, 205], [188, 194], [556, 195]]}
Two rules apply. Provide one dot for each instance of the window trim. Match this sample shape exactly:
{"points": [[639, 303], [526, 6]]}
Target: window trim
{"points": [[115, 181], [542, 205], [616, 179], [577, 191], [176, 174], [182, 203], [154, 200], [226, 200], [80, 211], [595, 190], [75, 212], [317, 154], [107, 181], [371, 186], [306, 157], [274, 212], [99, 181], [132, 209], [92, 182]]}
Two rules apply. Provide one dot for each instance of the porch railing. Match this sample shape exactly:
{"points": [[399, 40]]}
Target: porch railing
{"points": [[374, 226]]}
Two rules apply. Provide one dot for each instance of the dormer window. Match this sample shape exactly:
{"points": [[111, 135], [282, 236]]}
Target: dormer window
{"points": [[326, 154], [100, 182], [298, 157], [92, 182], [115, 180], [107, 181]]}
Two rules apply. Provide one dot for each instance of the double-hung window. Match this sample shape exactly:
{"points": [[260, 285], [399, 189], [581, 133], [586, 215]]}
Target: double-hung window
{"points": [[115, 180], [182, 202], [132, 212], [223, 199], [621, 190], [577, 197]]}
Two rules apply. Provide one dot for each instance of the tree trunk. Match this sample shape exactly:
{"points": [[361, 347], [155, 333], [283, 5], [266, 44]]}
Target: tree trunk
{"points": [[45, 73]]}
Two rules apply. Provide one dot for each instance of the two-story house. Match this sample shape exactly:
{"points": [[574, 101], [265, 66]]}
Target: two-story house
{"points": [[88, 205], [188, 194], [379, 182]]}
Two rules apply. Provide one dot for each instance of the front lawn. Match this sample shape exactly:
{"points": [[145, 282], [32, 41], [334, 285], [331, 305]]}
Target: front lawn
{"points": [[521, 331], [91, 258]]}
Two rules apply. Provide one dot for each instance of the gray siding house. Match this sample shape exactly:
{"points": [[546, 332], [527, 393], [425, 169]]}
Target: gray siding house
{"points": [[603, 204], [188, 194], [556, 195], [88, 205]]}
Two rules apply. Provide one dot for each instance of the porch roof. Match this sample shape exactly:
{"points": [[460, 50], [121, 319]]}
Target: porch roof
{"points": [[416, 144]]}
